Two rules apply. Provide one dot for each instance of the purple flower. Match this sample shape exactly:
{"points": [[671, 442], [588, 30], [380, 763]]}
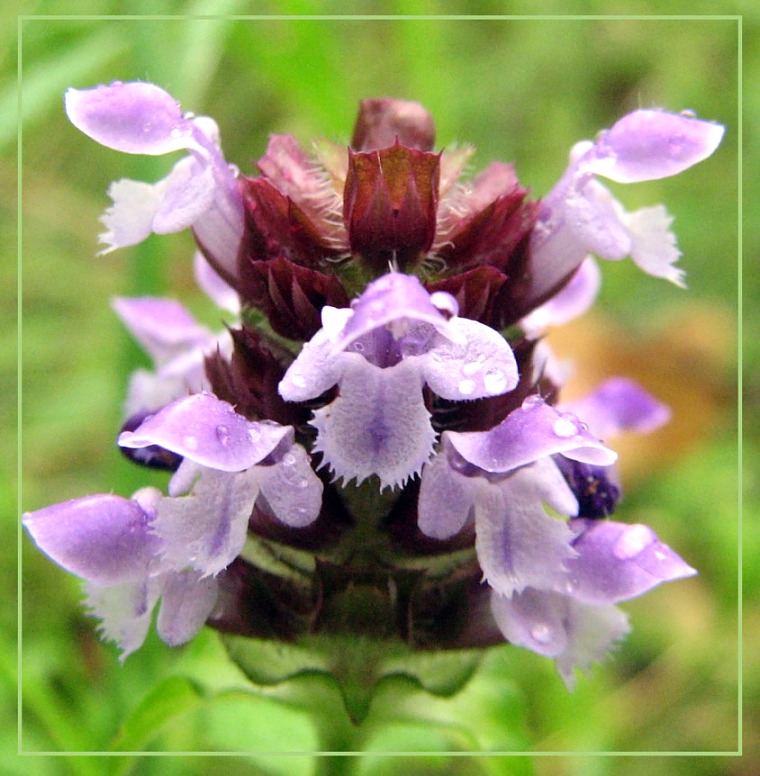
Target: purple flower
{"points": [[395, 339], [580, 216], [573, 619], [545, 574], [388, 317], [108, 541], [200, 192], [178, 346], [134, 551]]}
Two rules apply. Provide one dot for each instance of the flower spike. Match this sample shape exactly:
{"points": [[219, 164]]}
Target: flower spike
{"points": [[376, 446]]}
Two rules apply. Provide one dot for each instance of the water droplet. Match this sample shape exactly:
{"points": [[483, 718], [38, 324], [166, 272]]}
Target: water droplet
{"points": [[189, 115], [495, 381], [445, 303], [288, 459], [634, 540], [176, 132], [190, 442], [298, 380], [466, 387], [302, 483], [532, 402], [254, 434], [565, 427], [223, 434], [470, 369], [541, 633]]}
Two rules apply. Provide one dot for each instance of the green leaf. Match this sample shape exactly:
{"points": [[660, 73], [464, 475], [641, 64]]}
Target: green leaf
{"points": [[172, 697]]}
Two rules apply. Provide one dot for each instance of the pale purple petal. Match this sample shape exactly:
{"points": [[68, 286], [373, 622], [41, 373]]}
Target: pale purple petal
{"points": [[594, 632], [206, 530], [104, 539], [316, 369], [534, 431], [219, 230], [592, 215], [617, 561], [129, 220], [572, 301], [124, 611], [136, 118], [477, 363], [212, 284], [653, 245], [574, 634], [163, 327], [189, 191], [518, 544], [187, 599], [392, 300], [650, 144], [377, 425], [208, 431], [619, 404], [533, 619], [291, 488], [446, 497]]}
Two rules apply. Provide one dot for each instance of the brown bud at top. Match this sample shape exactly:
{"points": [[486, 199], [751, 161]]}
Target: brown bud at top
{"points": [[382, 121], [389, 204]]}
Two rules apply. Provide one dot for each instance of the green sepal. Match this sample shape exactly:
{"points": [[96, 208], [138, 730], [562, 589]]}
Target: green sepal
{"points": [[356, 667]]}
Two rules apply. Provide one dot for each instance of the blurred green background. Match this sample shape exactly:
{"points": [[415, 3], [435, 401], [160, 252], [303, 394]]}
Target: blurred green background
{"points": [[520, 90]]}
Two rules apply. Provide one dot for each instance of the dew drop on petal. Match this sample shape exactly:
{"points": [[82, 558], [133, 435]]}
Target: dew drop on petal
{"points": [[466, 387], [532, 401], [190, 442], [223, 434], [298, 380], [564, 427], [634, 540], [445, 303], [541, 633], [254, 434], [288, 459], [495, 381]]}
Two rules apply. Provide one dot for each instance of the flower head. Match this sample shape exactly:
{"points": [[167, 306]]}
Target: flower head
{"points": [[381, 422]]}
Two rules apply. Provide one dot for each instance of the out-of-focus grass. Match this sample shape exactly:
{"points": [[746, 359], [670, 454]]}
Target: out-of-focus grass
{"points": [[519, 90]]}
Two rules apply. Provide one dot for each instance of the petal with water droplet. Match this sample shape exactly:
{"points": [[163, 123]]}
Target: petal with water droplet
{"points": [[617, 561], [189, 426], [291, 488]]}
